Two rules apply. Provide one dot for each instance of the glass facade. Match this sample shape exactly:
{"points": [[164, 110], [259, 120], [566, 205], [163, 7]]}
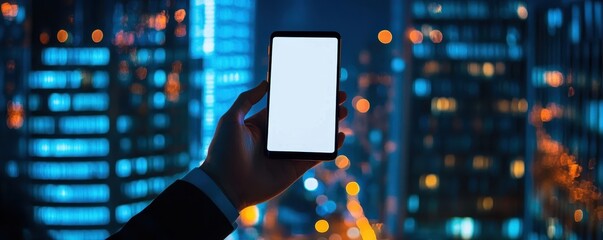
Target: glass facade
{"points": [[565, 120], [465, 159]]}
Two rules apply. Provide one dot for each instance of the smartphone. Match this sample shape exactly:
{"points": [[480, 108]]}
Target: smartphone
{"points": [[303, 77]]}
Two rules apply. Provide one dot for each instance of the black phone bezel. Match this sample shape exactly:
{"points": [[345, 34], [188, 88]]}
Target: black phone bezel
{"points": [[304, 155]]}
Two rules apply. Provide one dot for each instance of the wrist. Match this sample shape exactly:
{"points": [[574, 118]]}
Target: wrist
{"points": [[224, 185]]}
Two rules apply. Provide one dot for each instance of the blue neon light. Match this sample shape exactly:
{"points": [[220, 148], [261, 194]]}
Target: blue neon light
{"points": [[75, 56], [91, 193], [75, 216], [144, 55], [124, 124], [124, 212], [398, 65], [413, 203], [141, 165], [100, 79], [123, 168], [512, 228], [90, 102], [159, 100], [59, 102], [422, 87], [55, 79], [159, 56], [79, 234], [34, 102], [161, 120], [159, 78], [68, 170], [159, 141], [41, 125], [92, 147], [12, 169], [84, 124], [343, 74]]}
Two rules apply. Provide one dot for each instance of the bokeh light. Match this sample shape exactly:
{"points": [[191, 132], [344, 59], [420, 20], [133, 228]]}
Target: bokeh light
{"points": [[62, 36], [342, 161], [415, 36], [385, 36], [436, 36], [179, 15], [352, 188], [522, 11], [44, 38], [250, 216], [97, 35], [321, 226], [363, 105]]}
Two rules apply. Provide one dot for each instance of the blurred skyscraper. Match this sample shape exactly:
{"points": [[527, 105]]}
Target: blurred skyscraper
{"points": [[567, 129], [465, 158]]}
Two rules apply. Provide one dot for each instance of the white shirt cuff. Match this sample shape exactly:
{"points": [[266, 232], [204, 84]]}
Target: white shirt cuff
{"points": [[204, 183]]}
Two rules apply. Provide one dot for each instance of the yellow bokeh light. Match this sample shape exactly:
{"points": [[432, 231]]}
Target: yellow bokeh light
{"points": [[321, 226], [487, 203], [250, 216], [352, 188], [97, 35], [385, 36], [179, 15], [342, 161], [354, 208], [522, 12], [481, 162], [431, 181], [415, 36], [522, 105], [517, 168], [488, 69], [363, 105], [62, 36], [578, 215], [436, 36], [366, 231]]}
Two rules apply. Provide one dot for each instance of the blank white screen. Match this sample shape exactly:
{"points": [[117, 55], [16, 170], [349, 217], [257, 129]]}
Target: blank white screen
{"points": [[303, 85]]}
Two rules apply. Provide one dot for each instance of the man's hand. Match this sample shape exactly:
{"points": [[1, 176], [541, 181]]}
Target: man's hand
{"points": [[236, 160]]}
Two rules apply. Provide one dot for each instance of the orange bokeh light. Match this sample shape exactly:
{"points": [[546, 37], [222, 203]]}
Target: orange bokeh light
{"points": [[172, 87], [62, 36], [553, 78], [9, 10], [342, 161], [363, 105], [415, 36], [179, 15], [44, 38], [97, 35], [546, 115], [385, 36], [436, 36], [15, 115], [160, 21]]}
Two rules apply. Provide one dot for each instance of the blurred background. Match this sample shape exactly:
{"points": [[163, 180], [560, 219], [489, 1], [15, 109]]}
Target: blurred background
{"points": [[470, 119]]}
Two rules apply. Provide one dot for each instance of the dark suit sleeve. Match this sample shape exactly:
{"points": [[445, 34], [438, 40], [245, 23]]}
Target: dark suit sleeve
{"points": [[181, 211]]}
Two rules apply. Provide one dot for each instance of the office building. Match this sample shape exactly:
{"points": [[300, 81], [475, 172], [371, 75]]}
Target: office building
{"points": [[466, 131], [565, 120]]}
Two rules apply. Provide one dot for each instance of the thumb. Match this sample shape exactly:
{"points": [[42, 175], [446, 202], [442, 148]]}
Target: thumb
{"points": [[247, 99]]}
